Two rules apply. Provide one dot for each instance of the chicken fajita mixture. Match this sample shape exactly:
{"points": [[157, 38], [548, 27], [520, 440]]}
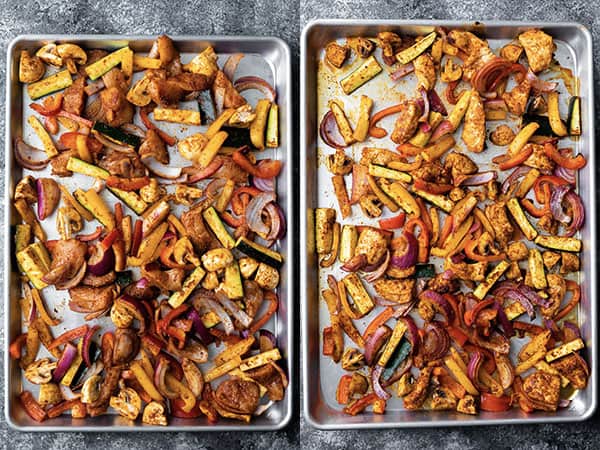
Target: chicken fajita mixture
{"points": [[449, 248], [176, 286]]}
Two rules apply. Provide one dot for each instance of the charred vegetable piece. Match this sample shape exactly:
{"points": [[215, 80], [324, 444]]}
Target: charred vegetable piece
{"points": [[368, 70], [58, 81], [407, 55]]}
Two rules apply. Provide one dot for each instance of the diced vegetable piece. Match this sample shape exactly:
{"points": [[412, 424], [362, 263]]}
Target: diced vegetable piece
{"points": [[522, 137], [381, 195], [324, 220], [364, 112], [79, 166], [273, 127], [186, 116], [482, 289], [219, 371], [35, 262], [233, 281], [362, 300], [564, 349], [392, 343], [536, 269], [238, 349], [424, 271], [131, 199], [48, 85], [216, 225], [348, 242], [527, 183], [556, 123], [143, 62], [103, 65], [521, 219], [545, 367], [127, 64], [190, 283], [91, 201], [116, 135], [399, 194], [260, 360], [259, 124], [365, 72], [41, 132], [530, 362], [421, 138], [407, 55], [563, 243], [342, 121], [442, 202], [459, 111], [22, 236], [259, 252], [575, 116], [147, 251], [383, 172]]}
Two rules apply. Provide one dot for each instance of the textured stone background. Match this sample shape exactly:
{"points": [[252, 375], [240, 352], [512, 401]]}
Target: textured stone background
{"points": [[283, 18]]}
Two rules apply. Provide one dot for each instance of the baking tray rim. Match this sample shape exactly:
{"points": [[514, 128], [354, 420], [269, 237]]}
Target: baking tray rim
{"points": [[286, 78], [590, 222]]}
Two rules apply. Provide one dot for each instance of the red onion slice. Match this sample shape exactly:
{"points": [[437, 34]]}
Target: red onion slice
{"points": [[329, 131], [113, 145], [476, 179], [435, 103], [251, 82], [161, 170], [375, 381], [578, 212], [254, 211], [220, 312], [556, 200], [409, 258], [264, 184], [24, 154], [379, 271], [231, 64], [519, 172], [65, 361], [402, 71], [539, 85], [436, 341]]}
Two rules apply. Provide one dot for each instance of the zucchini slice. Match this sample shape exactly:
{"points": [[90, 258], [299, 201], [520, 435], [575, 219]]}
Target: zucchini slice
{"points": [[116, 135], [48, 85], [233, 282], [273, 127], [216, 225], [536, 269], [442, 202], [517, 212], [562, 243], [482, 289], [35, 262], [544, 128], [131, 199], [80, 166], [391, 174], [189, 285], [185, 116], [407, 55], [91, 201], [259, 252], [556, 122], [574, 120], [100, 67], [369, 69]]}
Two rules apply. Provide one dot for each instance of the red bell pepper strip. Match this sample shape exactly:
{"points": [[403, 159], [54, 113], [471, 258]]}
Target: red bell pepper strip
{"points": [[127, 184], [471, 314], [267, 168], [423, 237], [361, 404], [576, 295], [110, 238], [177, 334], [494, 403], [152, 343], [177, 409], [273, 300], [432, 188], [232, 221], [457, 335], [32, 407], [567, 162], [513, 161], [374, 130], [382, 318], [50, 107], [136, 240], [532, 209], [16, 346], [165, 256], [167, 139], [164, 323], [118, 213], [68, 336], [342, 394], [542, 195], [393, 223], [69, 140]]}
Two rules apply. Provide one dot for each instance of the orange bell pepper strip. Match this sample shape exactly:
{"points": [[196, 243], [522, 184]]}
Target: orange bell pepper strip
{"points": [[127, 184], [110, 238], [41, 308], [541, 186], [165, 257], [510, 162], [408, 149], [423, 237], [576, 296], [446, 230], [342, 394], [471, 314], [533, 210], [378, 132], [178, 334], [266, 168], [66, 405], [494, 403], [382, 318], [457, 335], [393, 223], [69, 336], [136, 240], [167, 138], [16, 346], [573, 163], [50, 107], [32, 407], [163, 323], [118, 213], [472, 254], [273, 300], [425, 217], [362, 403]]}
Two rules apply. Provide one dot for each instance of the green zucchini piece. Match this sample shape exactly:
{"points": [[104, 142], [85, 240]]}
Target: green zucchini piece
{"points": [[116, 135], [363, 73], [424, 271], [391, 174], [574, 121], [233, 282], [124, 278], [80, 166], [272, 138], [189, 285], [48, 85], [562, 243], [131, 199], [545, 129], [103, 65], [399, 355], [407, 55], [216, 225], [259, 252], [237, 137]]}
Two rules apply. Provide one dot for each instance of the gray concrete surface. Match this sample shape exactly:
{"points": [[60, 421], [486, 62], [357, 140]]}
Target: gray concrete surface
{"points": [[283, 18]]}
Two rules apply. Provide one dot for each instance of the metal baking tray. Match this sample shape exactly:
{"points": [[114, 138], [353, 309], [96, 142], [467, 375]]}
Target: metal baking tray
{"points": [[574, 51], [264, 56]]}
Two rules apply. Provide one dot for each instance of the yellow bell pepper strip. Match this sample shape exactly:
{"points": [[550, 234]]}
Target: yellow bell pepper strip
{"points": [[145, 381]]}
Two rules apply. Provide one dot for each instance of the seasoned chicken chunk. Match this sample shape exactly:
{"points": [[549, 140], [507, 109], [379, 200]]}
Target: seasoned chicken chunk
{"points": [[459, 164], [538, 159], [538, 48], [550, 259], [379, 156], [74, 97], [473, 134], [569, 262], [502, 135], [442, 399], [225, 94], [336, 54], [399, 291], [425, 71], [557, 288], [544, 389], [574, 368], [406, 123], [496, 213], [517, 251], [464, 271], [477, 50], [516, 99], [417, 396], [153, 146], [372, 244]]}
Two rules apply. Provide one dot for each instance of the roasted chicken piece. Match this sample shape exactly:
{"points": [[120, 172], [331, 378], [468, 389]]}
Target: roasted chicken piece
{"points": [[465, 271], [417, 396], [425, 71], [400, 291], [194, 223], [473, 134], [238, 396], [432, 172], [230, 171], [224, 94], [516, 99], [538, 48], [74, 97], [496, 213], [459, 164], [406, 123], [442, 399], [93, 300], [125, 165], [336, 54], [153, 146], [165, 280], [544, 389], [477, 50], [126, 346], [442, 283], [372, 244], [574, 368], [538, 159], [271, 377], [59, 164], [569, 262], [390, 44], [378, 155], [557, 288], [115, 110], [205, 63], [68, 257]]}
